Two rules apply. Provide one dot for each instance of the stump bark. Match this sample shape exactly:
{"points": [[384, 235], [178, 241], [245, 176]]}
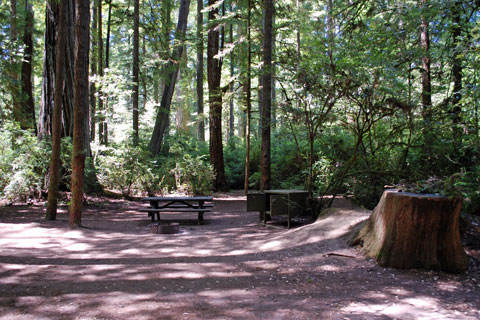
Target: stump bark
{"points": [[410, 231]]}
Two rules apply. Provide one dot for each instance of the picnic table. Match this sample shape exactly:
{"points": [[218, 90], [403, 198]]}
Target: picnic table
{"points": [[199, 204]]}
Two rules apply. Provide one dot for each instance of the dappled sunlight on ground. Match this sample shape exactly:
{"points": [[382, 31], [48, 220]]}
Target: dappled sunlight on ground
{"points": [[232, 267]]}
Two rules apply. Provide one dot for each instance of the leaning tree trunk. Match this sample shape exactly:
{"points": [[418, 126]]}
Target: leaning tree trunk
{"points": [[162, 120], [408, 230]]}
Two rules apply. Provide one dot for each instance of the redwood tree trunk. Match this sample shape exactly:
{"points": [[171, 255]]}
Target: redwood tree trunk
{"points": [[93, 71], [54, 170], [214, 72], [101, 116], [201, 121], [248, 98], [136, 50], [409, 230], [82, 39], [267, 95], [457, 70], [47, 101], [426, 87], [28, 105]]}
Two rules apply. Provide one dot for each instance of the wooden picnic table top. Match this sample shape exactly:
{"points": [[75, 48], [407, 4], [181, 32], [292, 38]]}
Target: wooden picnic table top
{"points": [[195, 198]]}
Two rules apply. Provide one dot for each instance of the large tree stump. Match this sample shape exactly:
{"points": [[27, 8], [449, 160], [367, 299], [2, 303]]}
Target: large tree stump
{"points": [[409, 231]]}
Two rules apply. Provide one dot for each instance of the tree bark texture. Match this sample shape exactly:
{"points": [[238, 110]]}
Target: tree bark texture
{"points": [[93, 70], [457, 73], [214, 73], [54, 171], [101, 116], [79, 153], [136, 50], [48, 78], [426, 87], [27, 102], [265, 158], [231, 119], [248, 90], [163, 115], [409, 230], [200, 48], [13, 70]]}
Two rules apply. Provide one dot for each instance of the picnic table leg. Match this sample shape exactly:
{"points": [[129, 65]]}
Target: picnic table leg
{"points": [[154, 204], [200, 214]]}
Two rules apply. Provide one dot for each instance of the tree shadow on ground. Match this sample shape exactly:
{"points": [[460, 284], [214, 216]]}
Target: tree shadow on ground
{"points": [[231, 268]]}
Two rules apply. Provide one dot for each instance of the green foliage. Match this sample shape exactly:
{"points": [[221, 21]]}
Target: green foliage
{"points": [[234, 157], [130, 170], [466, 185], [194, 175], [23, 163]]}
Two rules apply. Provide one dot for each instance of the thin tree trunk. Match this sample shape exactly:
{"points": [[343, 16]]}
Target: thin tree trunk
{"points": [[13, 74], [274, 88], [51, 213], [101, 116], [426, 87], [267, 96], [200, 48], [214, 72], [93, 70], [107, 65], [260, 103], [163, 115], [143, 76], [136, 22], [232, 69], [249, 97], [13, 20], [28, 104], [107, 40], [457, 75], [82, 35]]}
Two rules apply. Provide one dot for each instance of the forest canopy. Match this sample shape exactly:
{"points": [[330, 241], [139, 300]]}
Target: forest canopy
{"points": [[336, 97]]}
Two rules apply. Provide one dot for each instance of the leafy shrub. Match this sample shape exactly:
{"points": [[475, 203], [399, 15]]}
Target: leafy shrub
{"points": [[23, 163], [194, 175], [467, 185], [234, 157], [130, 170]]}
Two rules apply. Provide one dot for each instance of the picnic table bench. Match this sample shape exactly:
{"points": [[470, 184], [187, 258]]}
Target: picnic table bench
{"points": [[199, 204]]}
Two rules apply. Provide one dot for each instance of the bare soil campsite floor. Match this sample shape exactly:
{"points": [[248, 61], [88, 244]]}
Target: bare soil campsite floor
{"points": [[232, 267]]}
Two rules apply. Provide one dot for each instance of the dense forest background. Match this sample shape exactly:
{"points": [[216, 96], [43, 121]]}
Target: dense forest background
{"points": [[338, 97]]}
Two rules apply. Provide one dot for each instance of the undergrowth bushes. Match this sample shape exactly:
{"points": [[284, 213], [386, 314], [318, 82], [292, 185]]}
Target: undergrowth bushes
{"points": [[184, 166]]}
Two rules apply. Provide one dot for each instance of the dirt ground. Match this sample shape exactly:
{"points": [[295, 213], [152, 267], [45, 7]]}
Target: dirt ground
{"points": [[232, 267]]}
